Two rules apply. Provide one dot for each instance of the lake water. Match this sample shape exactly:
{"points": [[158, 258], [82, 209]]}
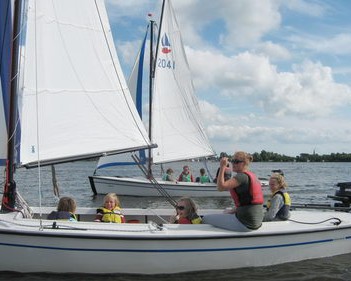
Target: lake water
{"points": [[308, 183]]}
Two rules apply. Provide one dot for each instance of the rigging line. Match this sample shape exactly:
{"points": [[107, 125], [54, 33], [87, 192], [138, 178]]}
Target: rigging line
{"points": [[37, 113], [338, 221], [14, 131], [154, 182], [116, 72], [158, 38], [208, 170], [157, 215]]}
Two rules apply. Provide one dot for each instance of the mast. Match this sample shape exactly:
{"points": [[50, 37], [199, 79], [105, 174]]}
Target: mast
{"points": [[152, 76], [9, 196]]}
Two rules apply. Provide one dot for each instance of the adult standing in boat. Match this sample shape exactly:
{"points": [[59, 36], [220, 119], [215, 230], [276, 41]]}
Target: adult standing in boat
{"points": [[278, 206], [246, 192], [186, 175]]}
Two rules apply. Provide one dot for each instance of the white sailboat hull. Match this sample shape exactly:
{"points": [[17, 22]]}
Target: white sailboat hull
{"points": [[143, 187], [87, 247]]}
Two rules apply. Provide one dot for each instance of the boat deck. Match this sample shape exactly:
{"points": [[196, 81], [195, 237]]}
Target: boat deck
{"points": [[154, 223]]}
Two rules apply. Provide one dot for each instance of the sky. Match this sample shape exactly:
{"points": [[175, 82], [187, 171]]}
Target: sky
{"points": [[269, 75]]}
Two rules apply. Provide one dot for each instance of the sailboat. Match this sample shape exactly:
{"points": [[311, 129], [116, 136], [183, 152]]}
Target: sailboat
{"points": [[66, 44], [174, 119]]}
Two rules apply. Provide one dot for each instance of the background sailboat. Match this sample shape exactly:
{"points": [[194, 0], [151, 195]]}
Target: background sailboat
{"points": [[175, 120]]}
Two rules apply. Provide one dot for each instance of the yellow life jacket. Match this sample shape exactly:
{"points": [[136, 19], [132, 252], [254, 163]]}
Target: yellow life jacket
{"points": [[283, 213], [196, 220], [114, 215]]}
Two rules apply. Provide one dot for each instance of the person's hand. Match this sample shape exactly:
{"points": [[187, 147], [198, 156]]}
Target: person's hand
{"points": [[173, 219], [224, 162]]}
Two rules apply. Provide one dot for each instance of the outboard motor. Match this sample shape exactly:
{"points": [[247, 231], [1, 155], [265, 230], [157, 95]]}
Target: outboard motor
{"points": [[343, 194]]}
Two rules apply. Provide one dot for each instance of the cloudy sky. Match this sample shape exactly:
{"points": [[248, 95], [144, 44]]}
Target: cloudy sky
{"points": [[270, 75]]}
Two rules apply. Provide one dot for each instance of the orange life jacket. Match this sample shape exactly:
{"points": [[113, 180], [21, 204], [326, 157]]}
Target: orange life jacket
{"points": [[252, 196]]}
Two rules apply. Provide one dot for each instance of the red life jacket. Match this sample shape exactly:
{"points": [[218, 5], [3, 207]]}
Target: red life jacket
{"points": [[251, 196]]}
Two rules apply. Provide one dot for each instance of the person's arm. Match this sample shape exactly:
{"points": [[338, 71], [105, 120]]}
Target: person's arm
{"points": [[180, 177], [221, 183], [277, 202], [99, 215]]}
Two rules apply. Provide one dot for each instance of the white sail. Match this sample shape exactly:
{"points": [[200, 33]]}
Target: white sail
{"points": [[135, 85], [176, 126], [74, 85]]}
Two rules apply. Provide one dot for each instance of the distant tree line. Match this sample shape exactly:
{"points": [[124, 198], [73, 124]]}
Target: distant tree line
{"points": [[266, 156]]}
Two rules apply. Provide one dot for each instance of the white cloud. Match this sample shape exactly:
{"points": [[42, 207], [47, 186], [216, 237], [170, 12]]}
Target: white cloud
{"points": [[245, 22], [308, 90], [340, 44], [274, 51], [315, 9]]}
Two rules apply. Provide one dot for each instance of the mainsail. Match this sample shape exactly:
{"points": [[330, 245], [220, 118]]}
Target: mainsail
{"points": [[177, 126], [75, 100]]}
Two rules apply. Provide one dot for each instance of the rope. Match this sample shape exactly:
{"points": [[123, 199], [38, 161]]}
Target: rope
{"points": [[157, 215], [337, 222], [154, 182], [151, 227]]}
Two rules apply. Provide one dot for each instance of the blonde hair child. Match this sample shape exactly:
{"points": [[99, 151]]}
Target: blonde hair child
{"points": [[111, 211]]}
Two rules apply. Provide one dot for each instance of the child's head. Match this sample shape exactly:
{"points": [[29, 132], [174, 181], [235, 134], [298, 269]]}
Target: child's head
{"points": [[186, 169], [202, 172], [111, 201], [276, 182], [67, 204], [169, 171], [185, 207]]}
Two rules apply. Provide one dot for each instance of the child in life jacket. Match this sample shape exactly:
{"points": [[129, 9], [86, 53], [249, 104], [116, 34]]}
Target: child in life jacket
{"points": [[65, 210], [186, 212], [111, 211], [278, 205]]}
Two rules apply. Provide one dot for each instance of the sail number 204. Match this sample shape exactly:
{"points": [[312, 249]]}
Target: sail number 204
{"points": [[166, 63]]}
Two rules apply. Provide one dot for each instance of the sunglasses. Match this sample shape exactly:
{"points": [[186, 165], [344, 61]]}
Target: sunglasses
{"points": [[236, 161], [181, 208]]}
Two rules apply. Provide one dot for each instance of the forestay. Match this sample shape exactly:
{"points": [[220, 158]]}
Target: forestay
{"points": [[177, 125], [74, 107]]}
